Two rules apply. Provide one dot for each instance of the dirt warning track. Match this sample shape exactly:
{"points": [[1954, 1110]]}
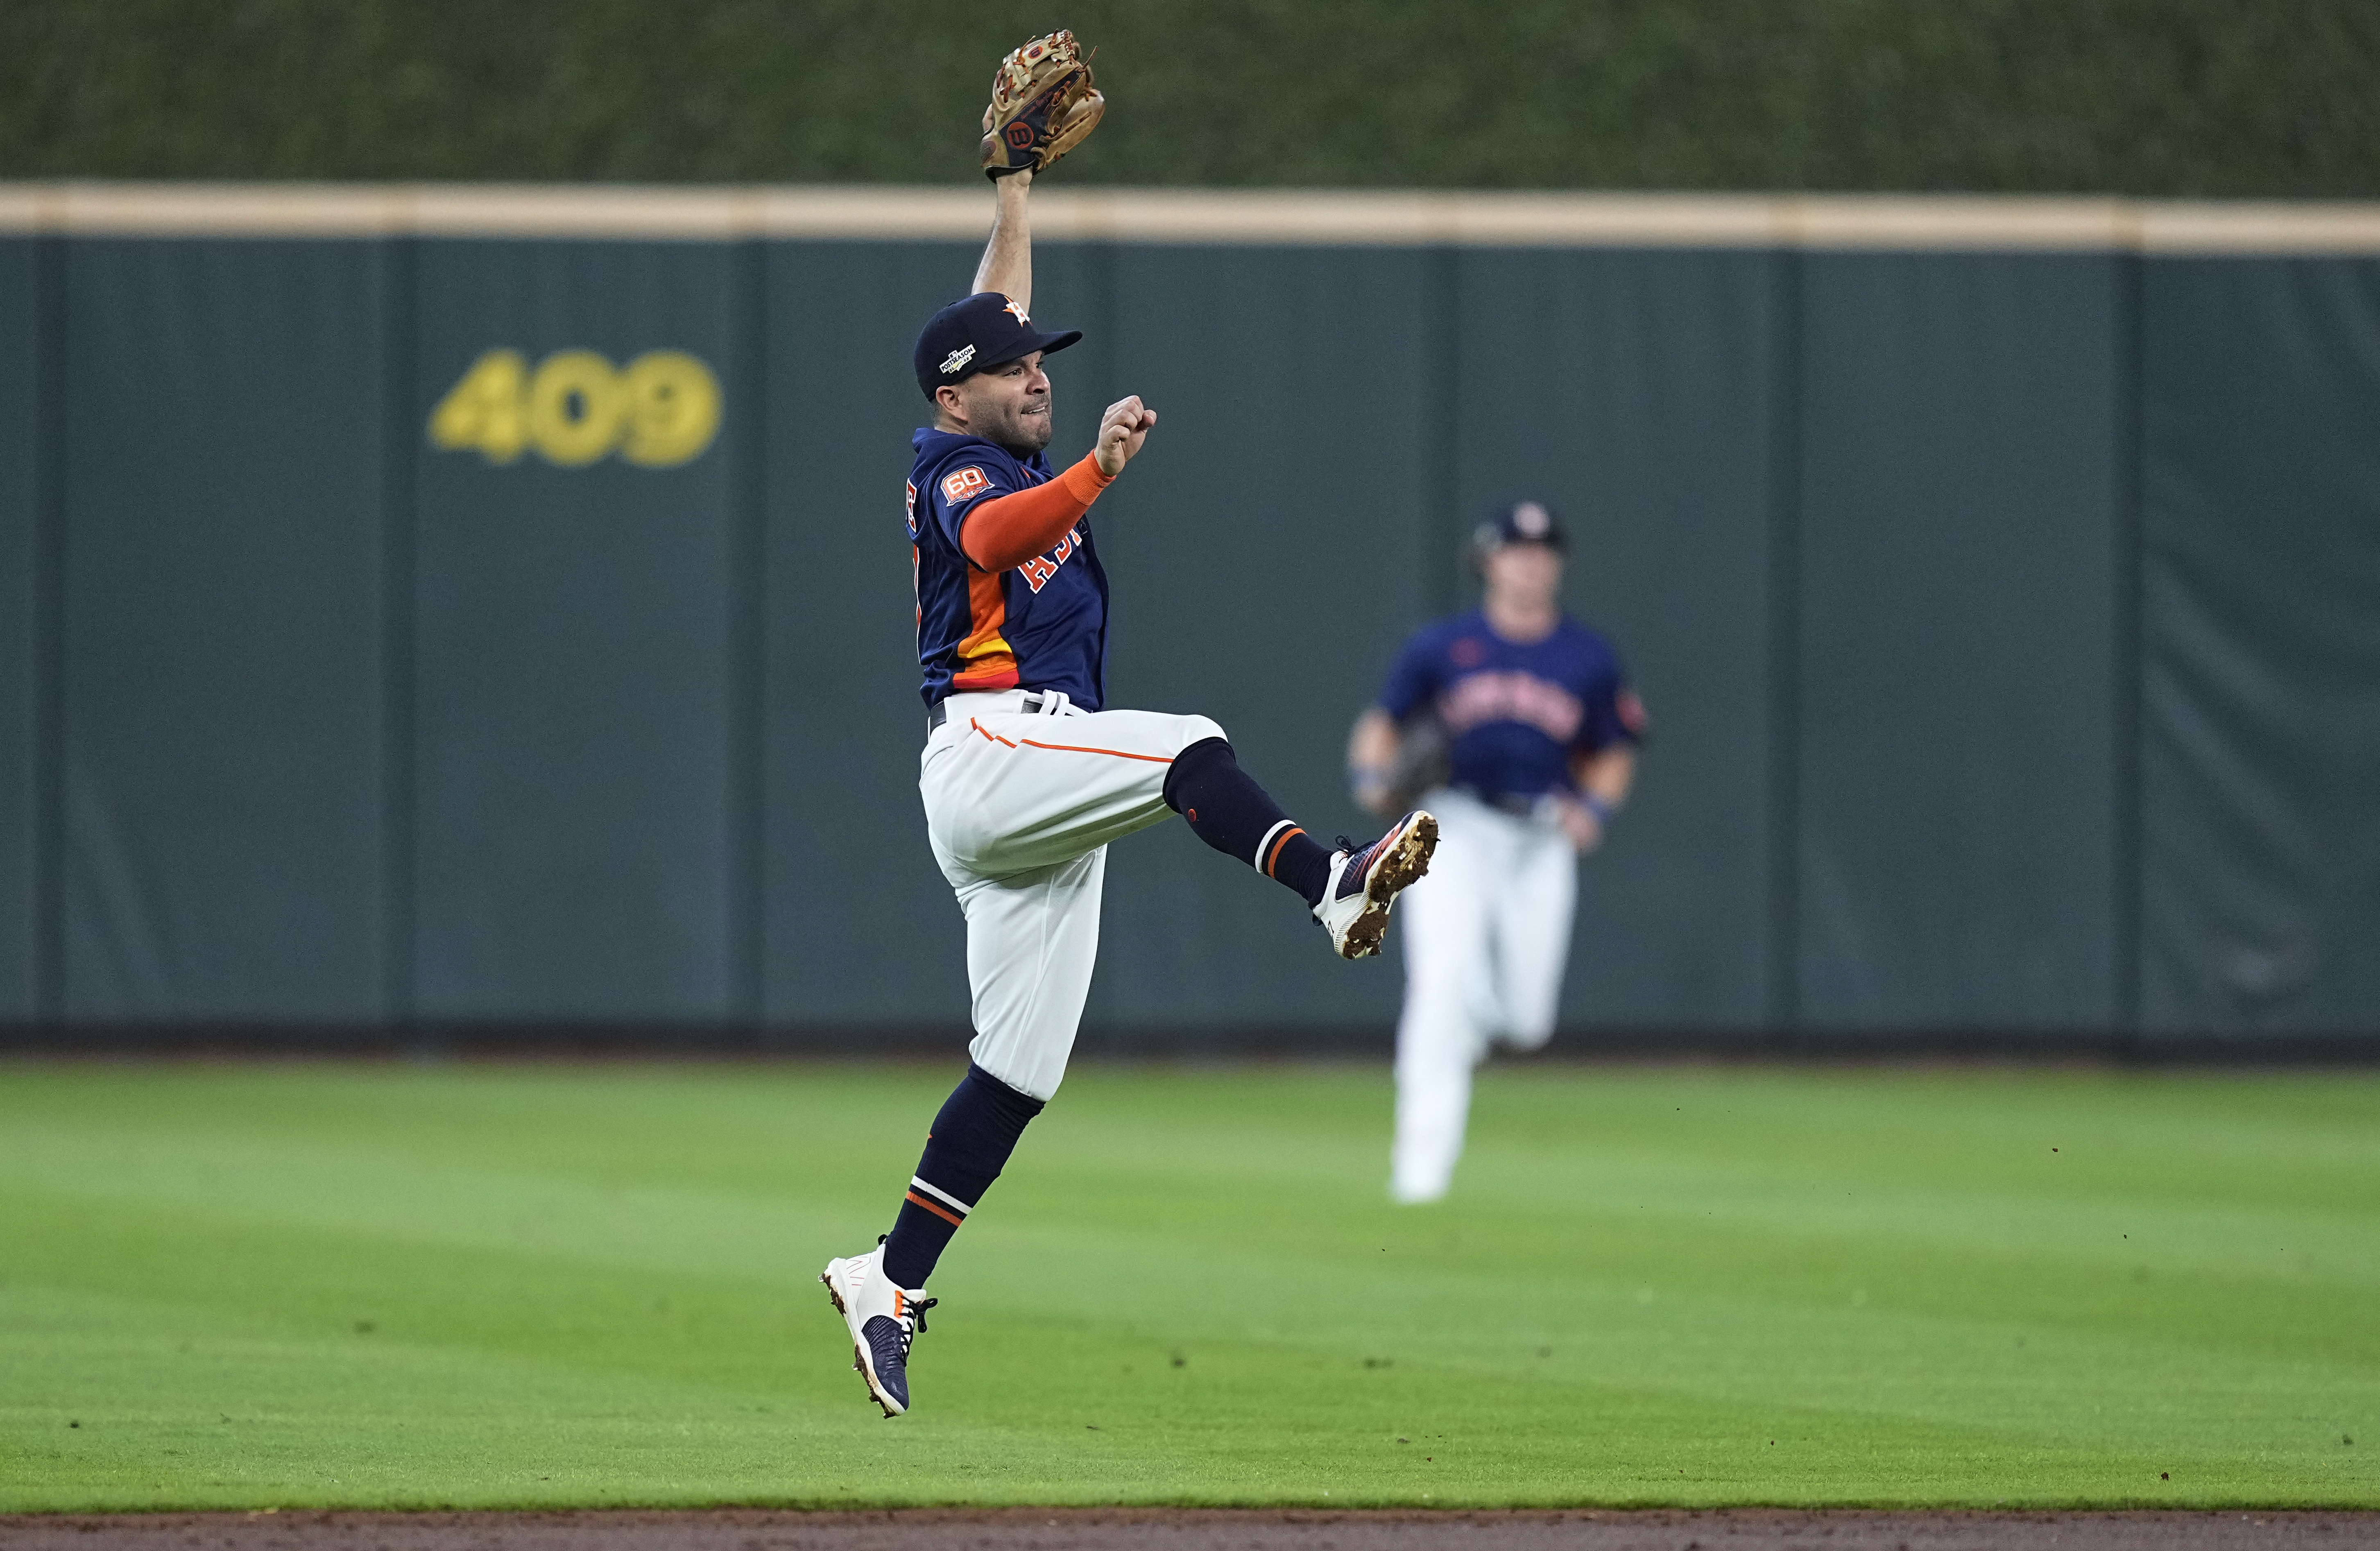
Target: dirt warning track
{"points": [[1196, 1530]]}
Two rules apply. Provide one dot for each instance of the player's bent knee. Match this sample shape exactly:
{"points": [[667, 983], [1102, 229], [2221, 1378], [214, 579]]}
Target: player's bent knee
{"points": [[1198, 729], [1032, 1074], [1199, 745]]}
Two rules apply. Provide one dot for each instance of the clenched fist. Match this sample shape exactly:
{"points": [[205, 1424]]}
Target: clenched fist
{"points": [[1122, 430]]}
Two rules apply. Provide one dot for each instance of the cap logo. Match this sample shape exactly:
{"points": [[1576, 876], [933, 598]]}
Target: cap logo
{"points": [[1530, 518], [1019, 313], [957, 359]]}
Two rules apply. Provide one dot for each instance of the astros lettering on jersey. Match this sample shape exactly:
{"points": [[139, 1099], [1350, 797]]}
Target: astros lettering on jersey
{"points": [[1514, 712]]}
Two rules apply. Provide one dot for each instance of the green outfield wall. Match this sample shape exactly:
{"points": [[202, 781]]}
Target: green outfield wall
{"points": [[407, 628]]}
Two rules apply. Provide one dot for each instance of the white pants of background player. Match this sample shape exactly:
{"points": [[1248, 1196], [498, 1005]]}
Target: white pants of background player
{"points": [[1020, 806], [1487, 935]]}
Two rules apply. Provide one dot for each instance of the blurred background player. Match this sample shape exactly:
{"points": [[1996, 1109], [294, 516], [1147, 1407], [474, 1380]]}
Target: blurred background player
{"points": [[1518, 720]]}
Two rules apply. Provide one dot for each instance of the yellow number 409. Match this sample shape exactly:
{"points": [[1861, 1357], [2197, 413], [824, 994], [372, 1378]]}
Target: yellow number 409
{"points": [[577, 407]]}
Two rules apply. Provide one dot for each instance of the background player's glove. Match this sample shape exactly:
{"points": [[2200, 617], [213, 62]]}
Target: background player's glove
{"points": [[1042, 106], [1425, 760]]}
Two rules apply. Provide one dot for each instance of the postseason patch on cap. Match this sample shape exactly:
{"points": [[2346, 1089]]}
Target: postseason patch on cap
{"points": [[1531, 520], [976, 333]]}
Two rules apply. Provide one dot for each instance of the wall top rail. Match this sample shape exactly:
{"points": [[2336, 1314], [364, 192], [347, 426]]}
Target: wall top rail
{"points": [[1294, 218]]}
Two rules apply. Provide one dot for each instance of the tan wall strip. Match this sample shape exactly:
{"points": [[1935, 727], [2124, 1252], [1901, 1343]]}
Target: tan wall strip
{"points": [[1284, 217]]}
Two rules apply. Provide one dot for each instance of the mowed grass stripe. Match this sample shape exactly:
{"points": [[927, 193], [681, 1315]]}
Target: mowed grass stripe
{"points": [[1688, 1286], [1854, 1237], [322, 1415], [743, 1326], [736, 1326]]}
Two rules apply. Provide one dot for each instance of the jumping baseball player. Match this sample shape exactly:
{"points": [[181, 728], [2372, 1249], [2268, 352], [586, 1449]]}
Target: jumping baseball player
{"points": [[1027, 774], [1538, 731]]}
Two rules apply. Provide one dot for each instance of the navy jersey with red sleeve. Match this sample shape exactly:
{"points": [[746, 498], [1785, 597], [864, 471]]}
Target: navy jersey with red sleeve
{"points": [[1042, 625], [1514, 712]]}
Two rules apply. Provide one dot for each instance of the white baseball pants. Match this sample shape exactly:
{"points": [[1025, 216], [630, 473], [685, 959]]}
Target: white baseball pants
{"points": [[1486, 935], [1020, 806]]}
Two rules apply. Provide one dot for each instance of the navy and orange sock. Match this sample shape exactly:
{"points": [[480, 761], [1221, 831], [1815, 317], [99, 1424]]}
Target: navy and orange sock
{"points": [[1231, 813], [974, 1132]]}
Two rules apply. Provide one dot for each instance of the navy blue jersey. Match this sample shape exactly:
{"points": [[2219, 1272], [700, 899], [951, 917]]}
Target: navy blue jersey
{"points": [[1042, 625], [1514, 715]]}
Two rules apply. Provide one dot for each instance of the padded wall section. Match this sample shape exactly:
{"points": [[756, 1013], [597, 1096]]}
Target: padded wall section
{"points": [[1633, 392], [19, 850], [2261, 752], [1265, 553], [641, 736], [576, 650], [221, 631], [1959, 503]]}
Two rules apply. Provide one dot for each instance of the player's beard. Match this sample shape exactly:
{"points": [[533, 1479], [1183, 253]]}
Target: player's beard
{"points": [[1026, 434]]}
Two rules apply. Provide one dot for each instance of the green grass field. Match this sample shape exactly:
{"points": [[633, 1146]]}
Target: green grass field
{"points": [[532, 1285]]}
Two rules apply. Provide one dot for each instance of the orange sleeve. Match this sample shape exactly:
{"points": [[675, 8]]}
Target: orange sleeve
{"points": [[1010, 530]]}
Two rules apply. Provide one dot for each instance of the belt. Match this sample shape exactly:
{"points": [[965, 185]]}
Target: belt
{"points": [[1503, 801], [940, 711]]}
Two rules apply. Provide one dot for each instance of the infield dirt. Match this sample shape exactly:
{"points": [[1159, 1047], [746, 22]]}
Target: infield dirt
{"points": [[1196, 1530]]}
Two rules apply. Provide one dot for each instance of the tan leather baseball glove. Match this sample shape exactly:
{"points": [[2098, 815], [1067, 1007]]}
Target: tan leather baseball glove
{"points": [[1042, 106]]}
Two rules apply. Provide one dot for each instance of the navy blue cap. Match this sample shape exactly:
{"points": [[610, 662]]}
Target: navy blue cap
{"points": [[976, 332], [1522, 522]]}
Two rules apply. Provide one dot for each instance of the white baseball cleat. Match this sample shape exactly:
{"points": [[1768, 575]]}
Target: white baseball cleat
{"points": [[1364, 884], [883, 1319]]}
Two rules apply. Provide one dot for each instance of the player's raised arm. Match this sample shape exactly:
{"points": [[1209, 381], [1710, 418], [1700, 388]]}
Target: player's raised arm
{"points": [[1043, 104], [1007, 264]]}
